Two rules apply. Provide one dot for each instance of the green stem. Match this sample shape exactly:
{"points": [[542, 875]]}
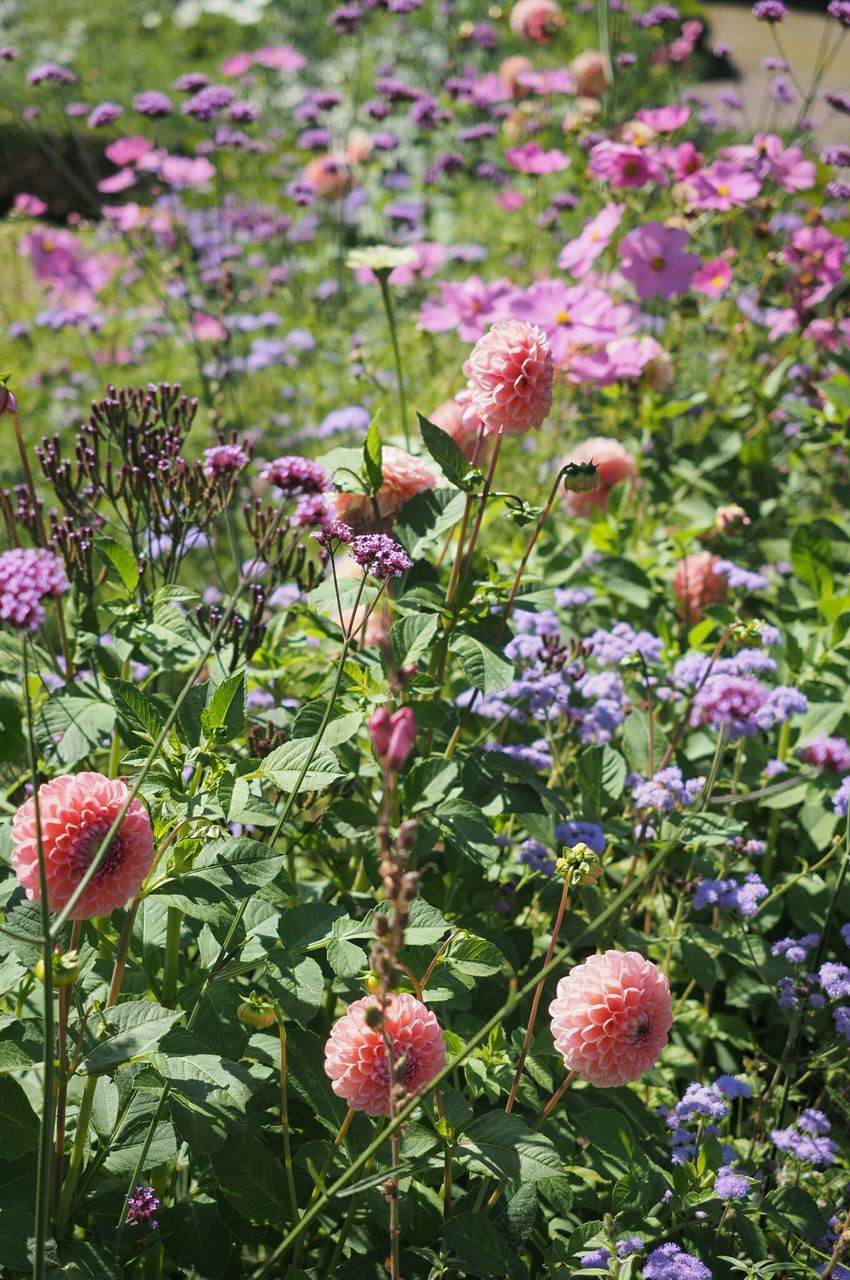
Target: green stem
{"points": [[284, 1119], [172, 957], [773, 822], [77, 1152], [43, 1185], [386, 295]]}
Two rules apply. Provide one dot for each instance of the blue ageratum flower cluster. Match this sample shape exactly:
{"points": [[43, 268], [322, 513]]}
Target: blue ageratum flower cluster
{"points": [[806, 1139], [733, 895], [699, 1112]]}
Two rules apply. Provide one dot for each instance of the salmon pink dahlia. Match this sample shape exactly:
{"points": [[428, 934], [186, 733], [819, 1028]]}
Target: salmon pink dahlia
{"points": [[459, 420], [613, 463], [536, 20], [698, 583], [611, 1017], [356, 1054], [510, 375], [76, 813], [403, 477]]}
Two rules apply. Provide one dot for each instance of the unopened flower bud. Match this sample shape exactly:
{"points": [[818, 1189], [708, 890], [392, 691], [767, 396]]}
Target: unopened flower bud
{"points": [[393, 736], [581, 477], [256, 1012], [726, 518], [65, 967], [8, 403], [372, 983]]}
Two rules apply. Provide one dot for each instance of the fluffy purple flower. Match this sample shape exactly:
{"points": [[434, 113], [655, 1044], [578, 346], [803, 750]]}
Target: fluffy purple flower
{"points": [[334, 533], [806, 1140], [28, 576], [742, 705], [841, 1016], [841, 799], [845, 934], [297, 475], [741, 579], [628, 1245], [50, 73], [610, 647], [191, 81], [103, 114], [208, 102], [835, 980], [224, 460], [534, 854], [795, 950], [141, 1207], [732, 1087], [596, 1258], [730, 1185], [769, 11], [731, 894], [380, 555], [827, 753], [589, 833], [152, 103], [840, 10], [670, 1262], [538, 754], [666, 789]]}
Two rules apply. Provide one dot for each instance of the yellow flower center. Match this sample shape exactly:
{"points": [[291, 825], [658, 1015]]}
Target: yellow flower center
{"points": [[563, 317], [657, 263]]}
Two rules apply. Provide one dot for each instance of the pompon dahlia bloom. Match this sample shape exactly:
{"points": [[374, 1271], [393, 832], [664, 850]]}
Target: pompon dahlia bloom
{"points": [[590, 71], [460, 421], [510, 375], [356, 1055], [536, 20], [697, 583], [76, 813], [329, 175], [613, 462], [403, 477], [611, 1017]]}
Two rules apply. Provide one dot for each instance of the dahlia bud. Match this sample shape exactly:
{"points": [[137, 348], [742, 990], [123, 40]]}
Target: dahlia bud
{"points": [[579, 865], [256, 1012], [393, 736], [727, 517], [65, 967], [8, 403], [372, 983], [581, 477]]}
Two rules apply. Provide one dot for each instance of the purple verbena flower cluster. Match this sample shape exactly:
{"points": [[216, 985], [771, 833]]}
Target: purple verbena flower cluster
{"points": [[28, 576], [380, 555], [142, 1205], [296, 475]]}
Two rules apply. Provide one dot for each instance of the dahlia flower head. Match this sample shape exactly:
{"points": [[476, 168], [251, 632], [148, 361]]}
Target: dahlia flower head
{"points": [[611, 1017], [510, 374], [76, 813], [403, 477], [613, 462], [698, 583], [356, 1053], [536, 20]]}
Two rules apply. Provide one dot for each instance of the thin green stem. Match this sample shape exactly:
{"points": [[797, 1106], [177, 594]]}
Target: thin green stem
{"points": [[386, 295], [77, 1151], [284, 1119]]}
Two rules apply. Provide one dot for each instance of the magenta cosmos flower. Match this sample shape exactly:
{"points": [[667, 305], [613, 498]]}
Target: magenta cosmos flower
{"points": [[510, 373], [611, 1017], [625, 166], [724, 186], [356, 1053], [713, 278], [571, 316], [466, 305], [654, 258], [76, 813]]}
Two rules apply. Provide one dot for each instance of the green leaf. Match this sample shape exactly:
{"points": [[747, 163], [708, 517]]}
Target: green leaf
{"points": [[373, 457], [19, 1126], [223, 719], [250, 1177], [447, 454], [636, 743], [608, 1131], [602, 776], [340, 729], [297, 984], [412, 637], [308, 925], [811, 559], [699, 964], [134, 1028], [71, 727], [430, 781], [120, 558], [475, 1245], [237, 863], [709, 830], [425, 516], [137, 707], [793, 1209], [283, 767], [503, 1144], [197, 1238], [484, 665]]}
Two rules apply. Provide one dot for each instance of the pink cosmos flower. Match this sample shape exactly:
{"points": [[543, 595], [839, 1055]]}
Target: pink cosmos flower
{"points": [[459, 420], [536, 20], [817, 253], [531, 158], [510, 373], [664, 119], [279, 57], [29, 205], [186, 171], [468, 306], [614, 464], [56, 260], [578, 256], [76, 813], [571, 315], [236, 65], [629, 357], [713, 278], [510, 201], [625, 166], [683, 161], [611, 1017], [697, 583], [207, 328], [768, 158], [356, 1053], [116, 182], [403, 477], [590, 72], [654, 258], [724, 186], [128, 150]]}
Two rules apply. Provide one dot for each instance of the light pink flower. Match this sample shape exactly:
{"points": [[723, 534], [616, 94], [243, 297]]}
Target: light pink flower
{"points": [[76, 813], [403, 477], [186, 171], [356, 1054], [713, 278], [466, 305], [29, 205], [459, 420], [590, 72], [611, 1017], [664, 119], [625, 166], [207, 328], [578, 256], [530, 157], [536, 20], [614, 464], [654, 258], [128, 150], [116, 182], [510, 373], [632, 356], [236, 65], [697, 583], [279, 57], [571, 316]]}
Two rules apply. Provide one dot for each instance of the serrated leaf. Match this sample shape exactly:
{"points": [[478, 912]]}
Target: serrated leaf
{"points": [[484, 665], [424, 517], [296, 984], [602, 775], [19, 1125], [284, 765], [412, 636], [250, 1177], [811, 559], [795, 1210], [223, 718], [233, 863], [445, 451], [373, 457], [608, 1131], [503, 1144], [138, 708], [120, 558], [476, 1245], [197, 1238], [134, 1028]]}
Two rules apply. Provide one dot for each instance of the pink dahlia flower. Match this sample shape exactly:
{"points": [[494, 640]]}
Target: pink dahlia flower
{"points": [[329, 175], [510, 375], [611, 1017], [356, 1053], [614, 464], [459, 420], [76, 813], [536, 20], [590, 71], [697, 583], [404, 477]]}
